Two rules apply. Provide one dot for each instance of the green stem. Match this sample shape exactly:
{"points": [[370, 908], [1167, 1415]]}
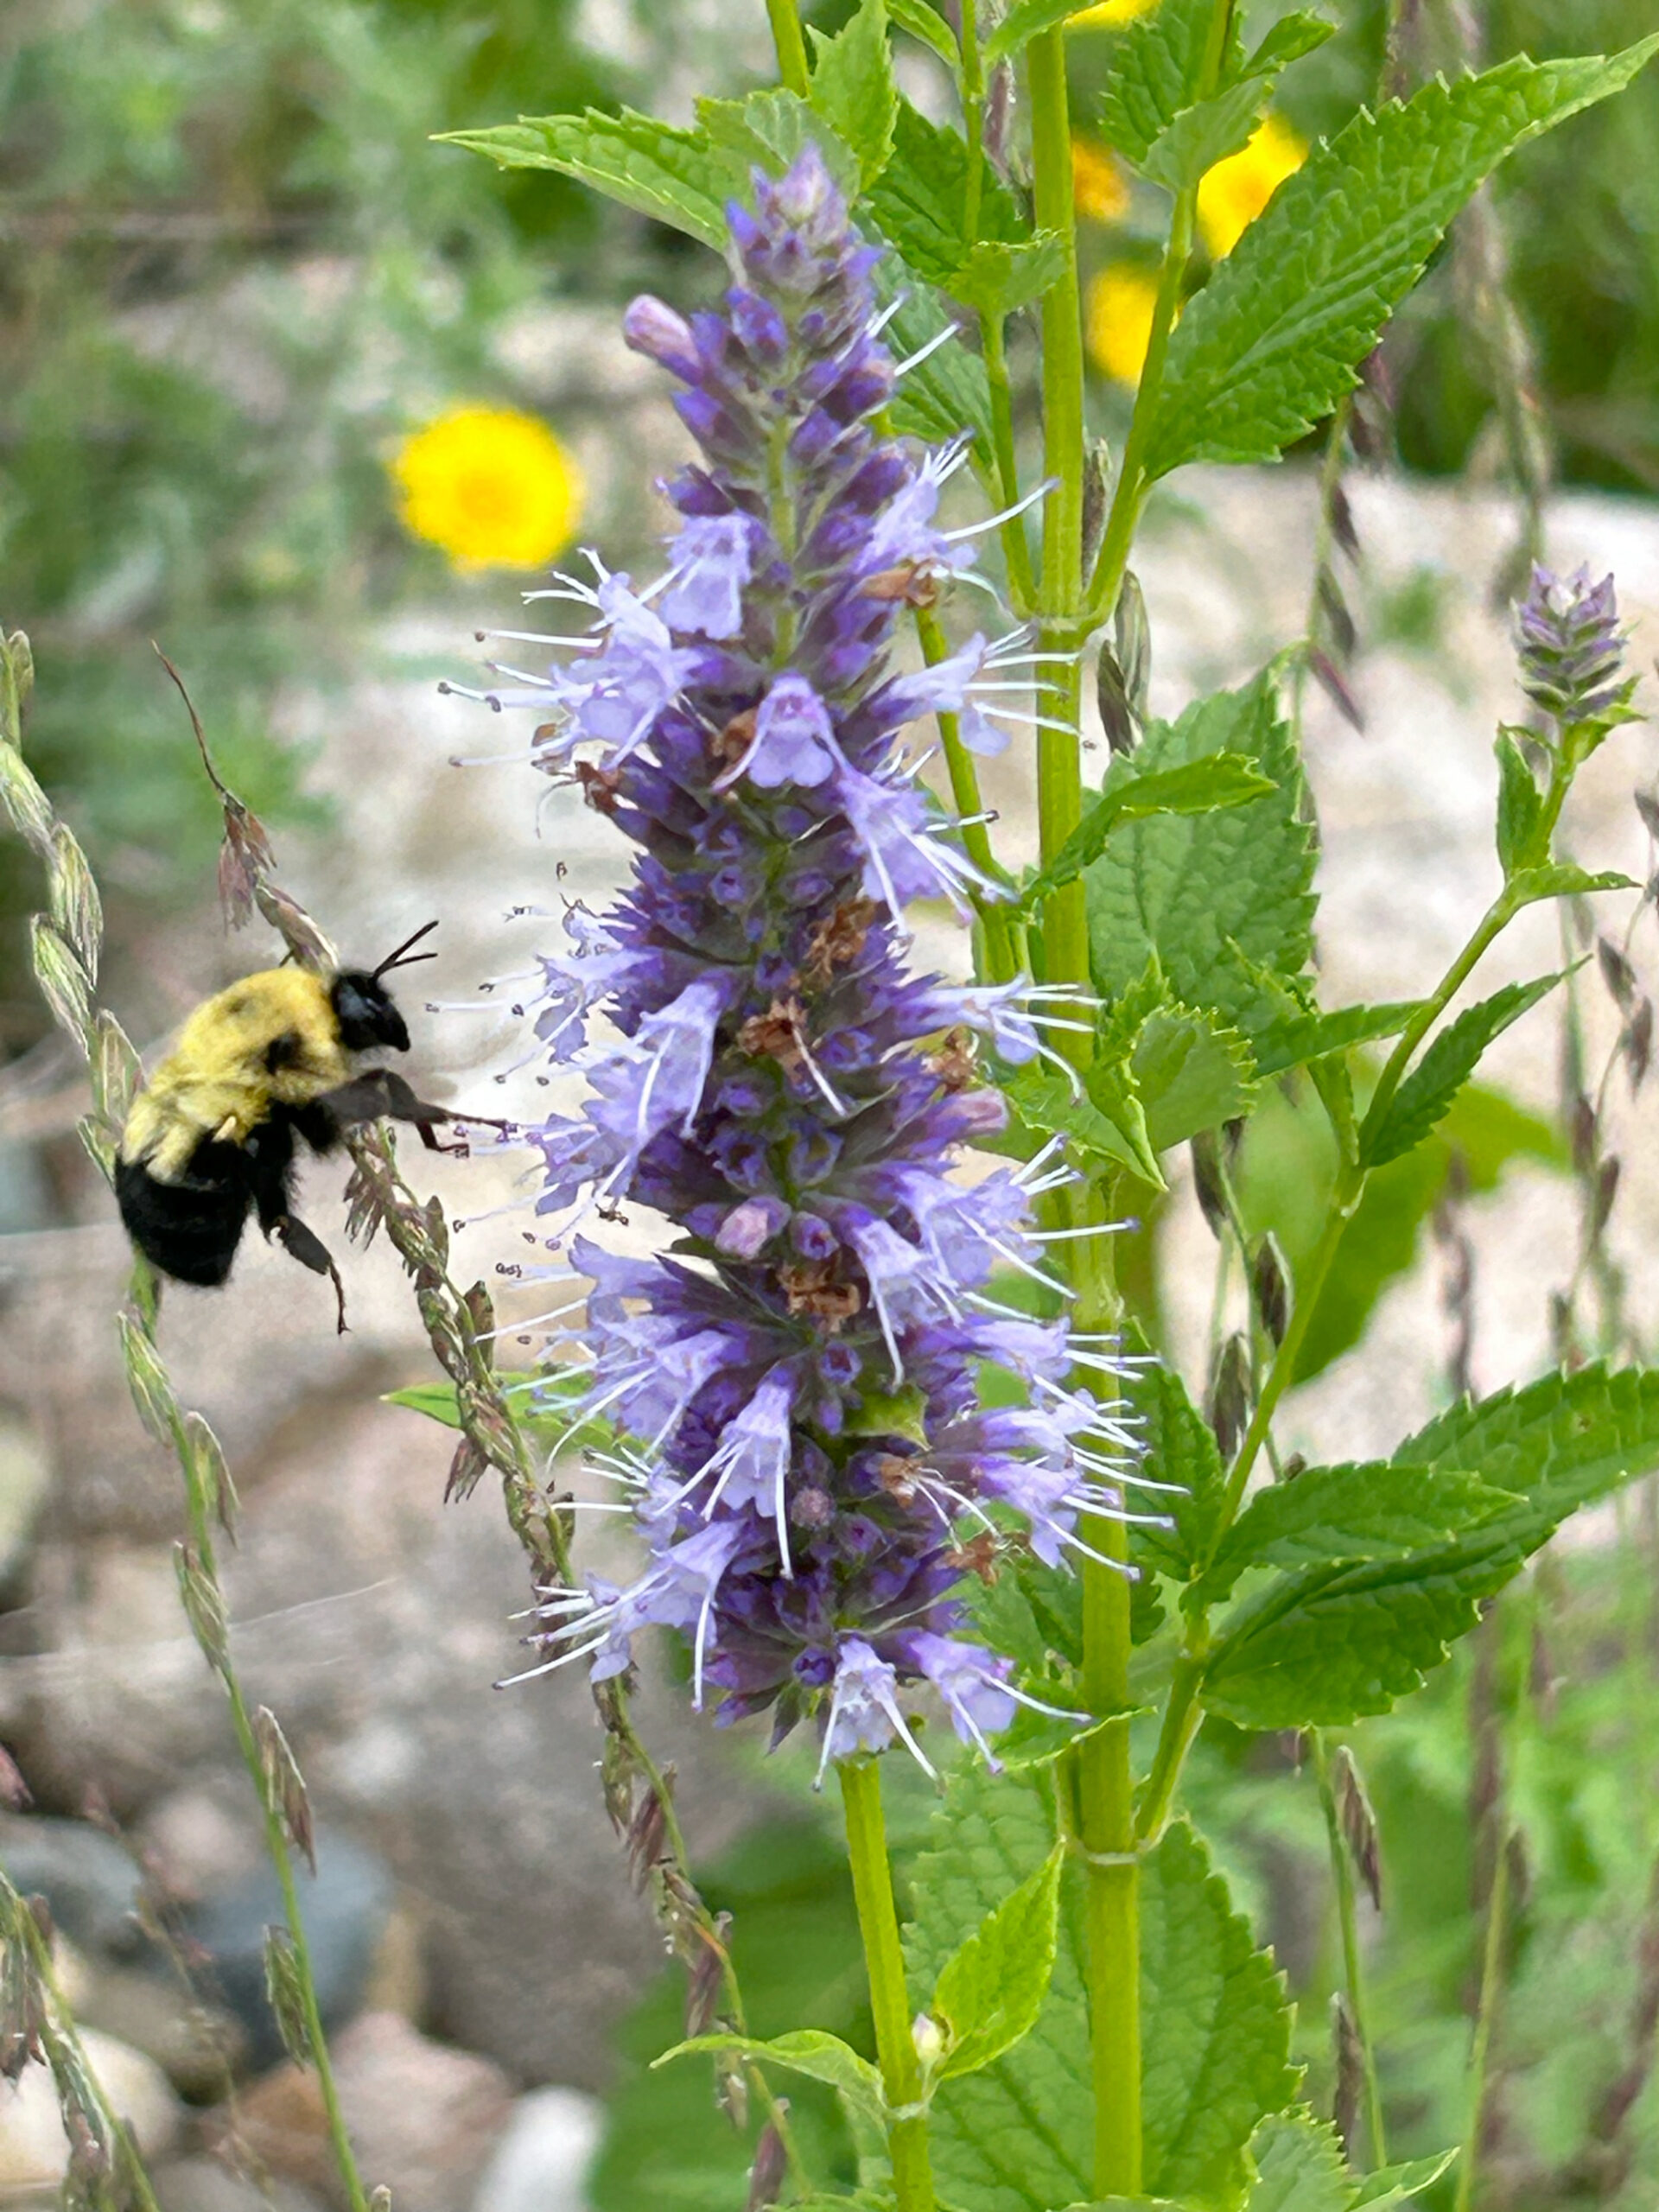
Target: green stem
{"points": [[1001, 954], [1022, 584], [1104, 1777], [1342, 1870], [1133, 483], [878, 1923], [788, 38], [1491, 1970]]}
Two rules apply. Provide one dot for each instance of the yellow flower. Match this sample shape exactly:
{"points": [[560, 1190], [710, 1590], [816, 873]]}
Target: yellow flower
{"points": [[1108, 14], [493, 487], [1235, 192], [1097, 188], [1117, 320]]}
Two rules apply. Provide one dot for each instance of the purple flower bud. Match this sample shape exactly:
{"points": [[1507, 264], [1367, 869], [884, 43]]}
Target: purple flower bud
{"points": [[1571, 645]]}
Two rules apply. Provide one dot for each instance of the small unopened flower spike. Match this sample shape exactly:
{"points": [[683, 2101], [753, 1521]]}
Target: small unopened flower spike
{"points": [[1572, 646], [802, 1440]]}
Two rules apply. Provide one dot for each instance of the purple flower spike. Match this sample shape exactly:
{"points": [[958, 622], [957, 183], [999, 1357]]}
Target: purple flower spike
{"points": [[1571, 645], [796, 1389]]}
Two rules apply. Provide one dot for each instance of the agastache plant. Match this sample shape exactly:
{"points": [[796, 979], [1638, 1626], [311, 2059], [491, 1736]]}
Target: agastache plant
{"points": [[805, 1445]]}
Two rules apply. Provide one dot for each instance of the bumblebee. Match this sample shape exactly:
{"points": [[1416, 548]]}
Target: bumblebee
{"points": [[211, 1134]]}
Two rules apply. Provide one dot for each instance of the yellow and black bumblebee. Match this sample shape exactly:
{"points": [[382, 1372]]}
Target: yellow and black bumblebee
{"points": [[210, 1136]]}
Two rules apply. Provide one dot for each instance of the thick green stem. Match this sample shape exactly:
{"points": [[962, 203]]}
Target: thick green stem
{"points": [[1105, 1782], [788, 38], [1022, 584], [878, 1923], [1001, 956], [1491, 1974], [1342, 1871]]}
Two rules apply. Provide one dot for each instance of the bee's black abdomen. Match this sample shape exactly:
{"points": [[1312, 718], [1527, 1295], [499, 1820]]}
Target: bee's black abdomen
{"points": [[188, 1230]]}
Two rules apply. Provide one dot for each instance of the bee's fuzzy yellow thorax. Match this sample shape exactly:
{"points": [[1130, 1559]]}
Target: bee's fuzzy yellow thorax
{"points": [[218, 1081]]}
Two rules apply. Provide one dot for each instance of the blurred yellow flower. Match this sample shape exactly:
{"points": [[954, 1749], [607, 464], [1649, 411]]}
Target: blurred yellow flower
{"points": [[1235, 192], [1109, 13], [1117, 320], [1098, 190], [492, 486]]}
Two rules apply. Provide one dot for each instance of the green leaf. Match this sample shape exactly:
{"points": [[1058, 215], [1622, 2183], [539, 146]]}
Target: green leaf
{"points": [[1275, 340], [1132, 792], [675, 176], [1426, 1095], [853, 87], [1320, 1647], [1299, 2166], [1000, 276], [811, 2052], [1017, 2136], [947, 393], [918, 198], [990, 1991], [1223, 900], [1157, 68], [771, 128], [924, 22], [1561, 1443], [1180, 1448], [1300, 1038], [1193, 138], [1393, 2184], [1378, 1509], [1519, 803], [1022, 24], [436, 1400], [1199, 137], [1288, 40], [1192, 1073], [1563, 881], [1107, 1124], [1215, 2028]]}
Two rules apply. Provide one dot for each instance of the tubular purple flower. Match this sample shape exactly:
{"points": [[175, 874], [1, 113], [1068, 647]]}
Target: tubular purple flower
{"points": [[797, 1389]]}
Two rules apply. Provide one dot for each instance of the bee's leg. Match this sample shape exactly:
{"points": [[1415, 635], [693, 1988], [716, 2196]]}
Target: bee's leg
{"points": [[381, 1094], [308, 1248]]}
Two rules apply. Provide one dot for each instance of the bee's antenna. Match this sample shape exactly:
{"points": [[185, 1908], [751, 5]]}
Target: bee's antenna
{"points": [[397, 960]]}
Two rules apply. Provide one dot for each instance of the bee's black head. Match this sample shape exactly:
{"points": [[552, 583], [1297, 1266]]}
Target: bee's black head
{"points": [[364, 1008]]}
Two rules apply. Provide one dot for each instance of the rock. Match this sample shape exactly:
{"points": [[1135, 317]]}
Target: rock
{"points": [[86, 1876], [345, 1908], [541, 2161], [423, 2119], [205, 2185], [25, 1478], [33, 2149], [199, 2046], [201, 1839]]}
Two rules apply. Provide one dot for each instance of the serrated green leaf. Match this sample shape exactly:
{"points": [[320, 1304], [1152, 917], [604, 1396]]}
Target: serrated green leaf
{"points": [[1303, 1037], [1134, 793], [1192, 1073], [1320, 1647], [991, 1989], [1378, 1510], [946, 394], [1106, 1124], [675, 176], [1199, 137], [1224, 901], [771, 128], [1180, 1448], [1157, 71], [550, 1423], [924, 23], [1298, 2165], [1519, 803], [1275, 340], [999, 276], [1215, 2028], [1017, 2136], [1560, 1444], [1288, 40], [1426, 1095], [853, 87], [1563, 881], [811, 2052], [1393, 2184], [919, 198]]}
